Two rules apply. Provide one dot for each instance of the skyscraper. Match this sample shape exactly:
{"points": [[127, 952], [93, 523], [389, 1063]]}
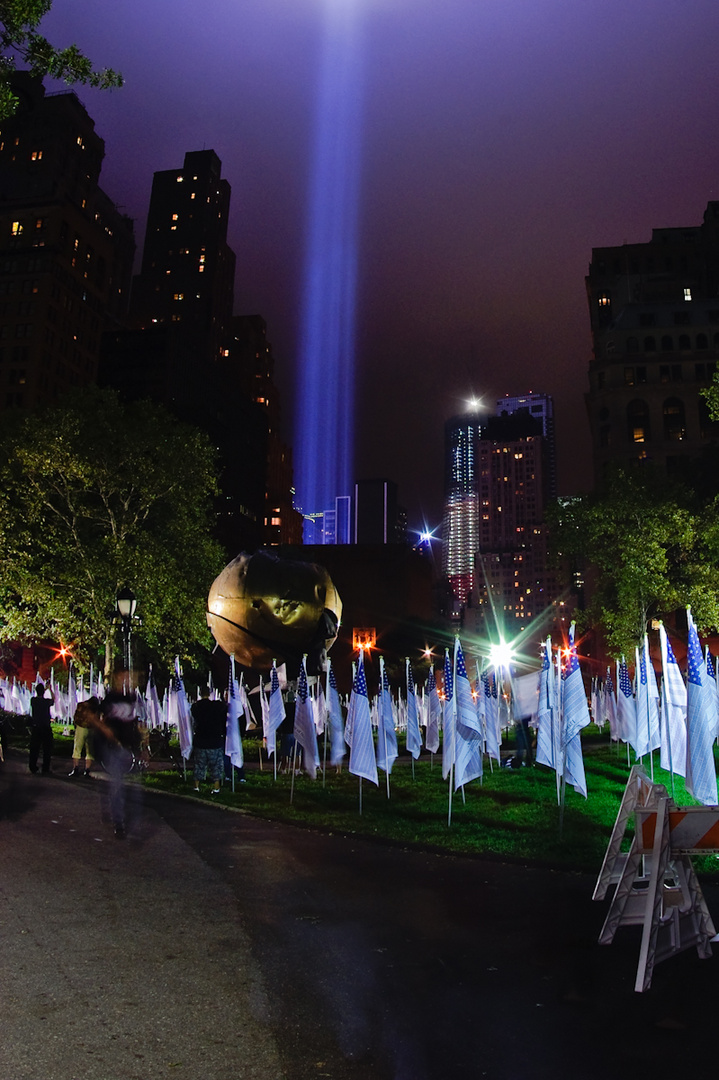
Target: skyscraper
{"points": [[460, 536], [654, 315], [65, 249], [515, 582], [214, 370], [539, 407]]}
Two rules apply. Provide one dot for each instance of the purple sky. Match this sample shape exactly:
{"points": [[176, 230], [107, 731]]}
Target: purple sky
{"points": [[503, 140]]}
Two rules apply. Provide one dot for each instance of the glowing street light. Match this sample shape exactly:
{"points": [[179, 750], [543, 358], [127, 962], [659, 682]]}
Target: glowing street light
{"points": [[125, 610]]}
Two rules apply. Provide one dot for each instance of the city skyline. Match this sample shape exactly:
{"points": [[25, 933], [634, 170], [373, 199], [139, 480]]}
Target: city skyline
{"points": [[500, 146]]}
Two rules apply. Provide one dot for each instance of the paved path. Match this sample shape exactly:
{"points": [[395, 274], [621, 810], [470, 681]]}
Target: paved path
{"points": [[214, 946]]}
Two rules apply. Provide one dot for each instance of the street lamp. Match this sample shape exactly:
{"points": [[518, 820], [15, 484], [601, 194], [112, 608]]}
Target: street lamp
{"points": [[126, 604]]}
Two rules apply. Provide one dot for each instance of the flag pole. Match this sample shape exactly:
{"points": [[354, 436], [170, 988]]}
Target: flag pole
{"points": [[294, 763], [384, 729], [449, 801], [360, 796]]}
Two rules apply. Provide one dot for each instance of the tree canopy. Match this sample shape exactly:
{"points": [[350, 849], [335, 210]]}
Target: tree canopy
{"points": [[96, 495], [649, 547], [20, 40]]}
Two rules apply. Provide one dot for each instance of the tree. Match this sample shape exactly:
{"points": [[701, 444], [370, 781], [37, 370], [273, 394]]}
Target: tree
{"points": [[21, 40], [650, 547], [96, 495]]}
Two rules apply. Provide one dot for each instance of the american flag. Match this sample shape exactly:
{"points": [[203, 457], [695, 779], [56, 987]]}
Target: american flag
{"points": [[180, 708], [468, 731], [275, 712], [701, 724], [304, 727], [626, 706], [546, 713], [334, 712], [386, 736], [414, 738], [233, 741], [358, 731], [448, 717], [575, 716], [674, 710], [434, 713]]}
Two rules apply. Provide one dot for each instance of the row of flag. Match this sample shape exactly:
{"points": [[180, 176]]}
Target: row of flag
{"points": [[678, 717], [681, 719]]}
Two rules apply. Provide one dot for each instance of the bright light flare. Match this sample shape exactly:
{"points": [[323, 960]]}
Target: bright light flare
{"points": [[501, 654]]}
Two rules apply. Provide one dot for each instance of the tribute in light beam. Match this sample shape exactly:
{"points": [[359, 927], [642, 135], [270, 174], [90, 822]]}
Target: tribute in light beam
{"points": [[324, 425]]}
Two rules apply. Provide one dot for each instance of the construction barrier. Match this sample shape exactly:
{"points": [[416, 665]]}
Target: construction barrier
{"points": [[656, 885]]}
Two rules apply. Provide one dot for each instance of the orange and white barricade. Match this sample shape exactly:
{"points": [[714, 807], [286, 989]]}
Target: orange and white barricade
{"points": [[657, 888]]}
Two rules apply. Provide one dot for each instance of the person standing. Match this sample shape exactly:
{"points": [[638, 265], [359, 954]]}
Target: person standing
{"points": [[209, 723], [82, 746], [40, 730]]}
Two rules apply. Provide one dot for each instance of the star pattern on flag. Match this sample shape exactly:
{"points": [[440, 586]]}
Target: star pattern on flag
{"points": [[431, 681], [302, 690], [461, 668], [625, 683], [695, 660], [448, 683], [360, 684]]}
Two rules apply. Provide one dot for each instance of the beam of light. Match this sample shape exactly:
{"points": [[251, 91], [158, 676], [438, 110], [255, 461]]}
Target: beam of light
{"points": [[324, 426]]}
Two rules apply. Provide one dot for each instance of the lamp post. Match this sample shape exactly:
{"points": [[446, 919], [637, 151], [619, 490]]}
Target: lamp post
{"points": [[126, 604]]}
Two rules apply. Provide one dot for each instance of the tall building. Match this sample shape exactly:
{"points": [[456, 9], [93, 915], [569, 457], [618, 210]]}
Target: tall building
{"points": [[654, 314], [65, 249], [515, 582], [250, 355], [186, 282], [186, 350], [460, 526], [539, 407]]}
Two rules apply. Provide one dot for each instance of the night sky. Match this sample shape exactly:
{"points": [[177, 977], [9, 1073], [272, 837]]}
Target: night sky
{"points": [[503, 139]]}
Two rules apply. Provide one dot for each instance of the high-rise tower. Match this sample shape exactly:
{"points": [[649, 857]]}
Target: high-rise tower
{"points": [[460, 538], [65, 250]]}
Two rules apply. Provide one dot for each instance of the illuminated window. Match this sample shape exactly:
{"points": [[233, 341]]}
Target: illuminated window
{"points": [[604, 300], [175, 217], [178, 296], [36, 155], [687, 294], [180, 179], [16, 228]]}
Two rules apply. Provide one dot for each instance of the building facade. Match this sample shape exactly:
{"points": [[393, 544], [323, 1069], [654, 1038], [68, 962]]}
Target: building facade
{"points": [[66, 251], [186, 350], [654, 315]]}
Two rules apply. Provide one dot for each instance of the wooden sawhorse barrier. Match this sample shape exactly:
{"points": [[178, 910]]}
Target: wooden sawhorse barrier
{"points": [[656, 885]]}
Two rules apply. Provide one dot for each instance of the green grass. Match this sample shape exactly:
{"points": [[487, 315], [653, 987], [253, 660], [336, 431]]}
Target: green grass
{"points": [[511, 814]]}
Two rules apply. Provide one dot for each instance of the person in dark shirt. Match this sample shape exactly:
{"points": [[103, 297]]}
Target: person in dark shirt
{"points": [[209, 724], [40, 729]]}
